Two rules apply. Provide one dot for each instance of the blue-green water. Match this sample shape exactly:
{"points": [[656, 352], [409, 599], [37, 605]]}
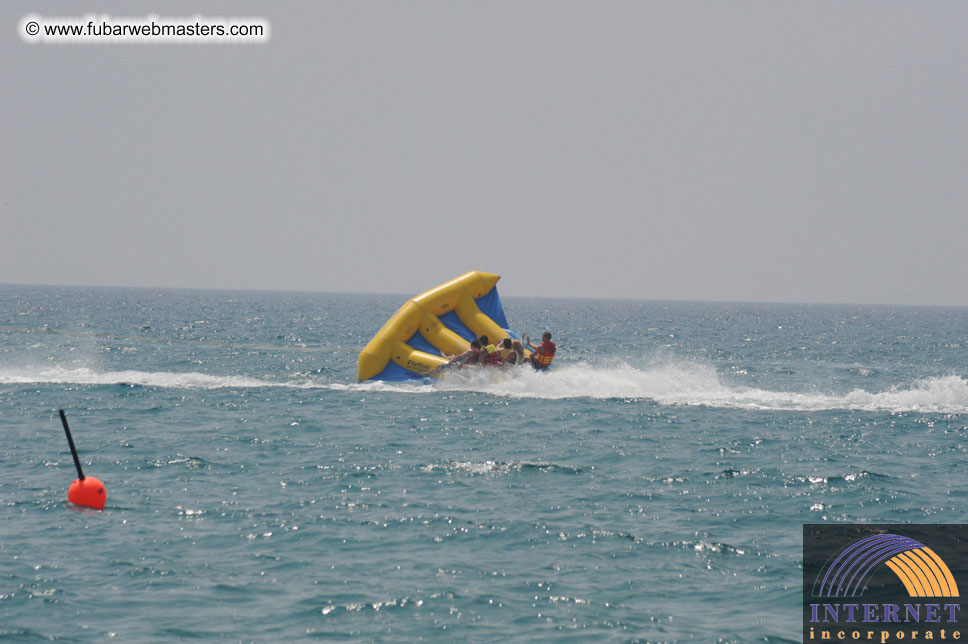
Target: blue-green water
{"points": [[650, 488]]}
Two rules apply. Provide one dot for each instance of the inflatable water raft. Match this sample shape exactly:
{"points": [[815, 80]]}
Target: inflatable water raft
{"points": [[441, 321]]}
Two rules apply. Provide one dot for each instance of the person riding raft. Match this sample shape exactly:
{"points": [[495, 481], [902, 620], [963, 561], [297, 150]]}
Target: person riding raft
{"points": [[542, 355], [490, 356], [512, 353], [469, 357]]}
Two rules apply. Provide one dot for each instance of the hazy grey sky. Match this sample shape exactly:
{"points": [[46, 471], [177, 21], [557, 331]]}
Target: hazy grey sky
{"points": [[780, 151]]}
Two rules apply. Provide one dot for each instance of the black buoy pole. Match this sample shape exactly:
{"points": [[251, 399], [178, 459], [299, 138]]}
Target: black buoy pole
{"points": [[70, 441]]}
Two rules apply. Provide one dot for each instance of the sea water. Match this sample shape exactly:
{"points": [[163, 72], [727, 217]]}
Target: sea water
{"points": [[651, 487]]}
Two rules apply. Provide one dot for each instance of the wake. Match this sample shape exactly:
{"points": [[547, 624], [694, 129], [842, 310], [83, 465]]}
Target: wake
{"points": [[168, 380], [689, 385], [682, 384]]}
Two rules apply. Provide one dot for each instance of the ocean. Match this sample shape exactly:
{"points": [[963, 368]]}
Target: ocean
{"points": [[651, 487]]}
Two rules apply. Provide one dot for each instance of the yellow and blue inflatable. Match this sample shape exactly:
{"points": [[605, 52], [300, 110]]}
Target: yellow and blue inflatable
{"points": [[441, 321]]}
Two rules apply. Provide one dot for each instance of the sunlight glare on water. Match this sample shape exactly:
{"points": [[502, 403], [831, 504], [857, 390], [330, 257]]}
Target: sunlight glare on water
{"points": [[657, 474]]}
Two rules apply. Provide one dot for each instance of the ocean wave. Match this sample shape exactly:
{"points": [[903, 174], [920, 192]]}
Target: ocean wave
{"points": [[493, 467]]}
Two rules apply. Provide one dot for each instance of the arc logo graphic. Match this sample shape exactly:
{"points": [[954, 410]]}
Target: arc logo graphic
{"points": [[883, 583], [917, 566]]}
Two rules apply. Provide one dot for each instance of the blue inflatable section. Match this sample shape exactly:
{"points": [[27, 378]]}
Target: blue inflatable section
{"points": [[490, 305], [396, 373], [452, 322], [417, 341]]}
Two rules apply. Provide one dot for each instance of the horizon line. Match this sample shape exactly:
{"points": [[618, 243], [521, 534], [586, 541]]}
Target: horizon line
{"points": [[538, 297]]}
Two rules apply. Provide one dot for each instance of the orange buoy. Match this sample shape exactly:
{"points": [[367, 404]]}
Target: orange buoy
{"points": [[89, 492], [85, 490]]}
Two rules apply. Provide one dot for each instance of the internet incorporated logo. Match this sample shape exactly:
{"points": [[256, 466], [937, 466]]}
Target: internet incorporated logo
{"points": [[922, 572], [906, 586]]}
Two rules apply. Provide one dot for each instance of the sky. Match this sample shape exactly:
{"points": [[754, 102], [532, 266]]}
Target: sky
{"points": [[747, 151]]}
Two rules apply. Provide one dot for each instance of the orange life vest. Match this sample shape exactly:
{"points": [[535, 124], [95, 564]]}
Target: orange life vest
{"points": [[544, 355]]}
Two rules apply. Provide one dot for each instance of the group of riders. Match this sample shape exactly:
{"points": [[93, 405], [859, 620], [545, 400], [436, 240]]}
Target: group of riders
{"points": [[507, 353]]}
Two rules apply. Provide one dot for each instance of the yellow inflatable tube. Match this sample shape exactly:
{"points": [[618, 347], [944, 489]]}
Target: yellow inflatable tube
{"points": [[442, 320]]}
